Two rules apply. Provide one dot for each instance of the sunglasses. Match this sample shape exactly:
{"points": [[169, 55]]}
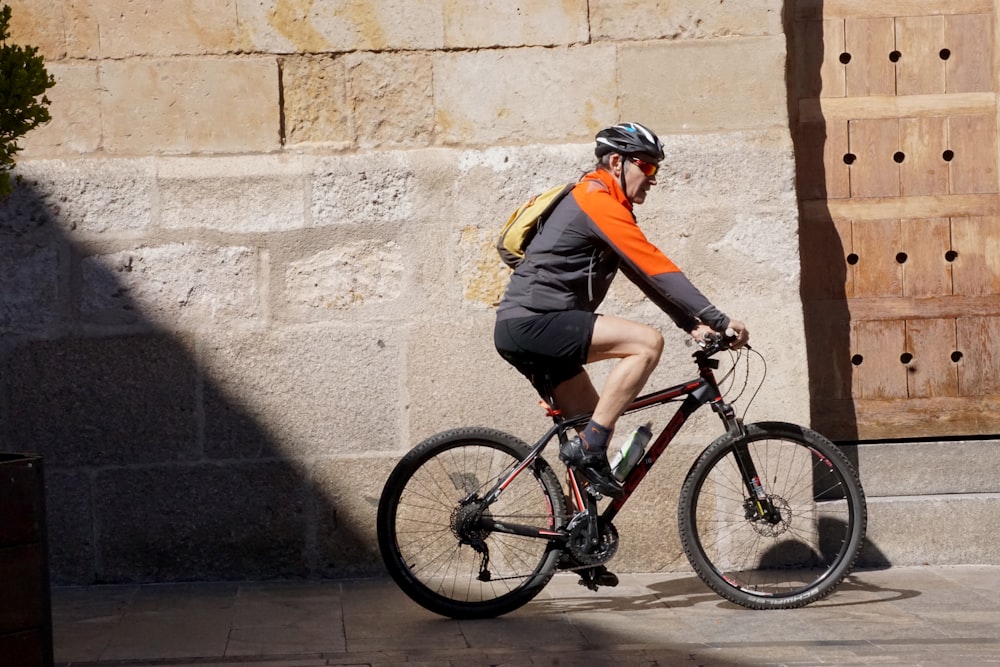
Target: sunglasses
{"points": [[648, 169]]}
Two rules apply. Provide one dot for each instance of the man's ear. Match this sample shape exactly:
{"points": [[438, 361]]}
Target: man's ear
{"points": [[615, 162]]}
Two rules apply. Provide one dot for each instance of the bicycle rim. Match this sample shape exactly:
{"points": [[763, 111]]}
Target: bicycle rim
{"points": [[428, 530], [787, 561]]}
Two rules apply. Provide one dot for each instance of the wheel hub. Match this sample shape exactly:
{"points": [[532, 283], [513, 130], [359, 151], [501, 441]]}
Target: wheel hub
{"points": [[467, 524], [777, 518]]}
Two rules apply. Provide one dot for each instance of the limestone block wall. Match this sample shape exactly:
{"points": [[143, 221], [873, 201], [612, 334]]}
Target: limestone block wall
{"points": [[250, 261]]}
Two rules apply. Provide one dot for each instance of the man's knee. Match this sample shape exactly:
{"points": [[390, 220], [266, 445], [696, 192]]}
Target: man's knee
{"points": [[649, 345], [654, 344]]}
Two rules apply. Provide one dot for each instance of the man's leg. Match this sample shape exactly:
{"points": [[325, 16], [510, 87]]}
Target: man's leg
{"points": [[576, 396], [639, 347]]}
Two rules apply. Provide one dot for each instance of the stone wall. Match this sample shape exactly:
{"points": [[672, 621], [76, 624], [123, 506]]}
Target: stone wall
{"points": [[250, 262]]}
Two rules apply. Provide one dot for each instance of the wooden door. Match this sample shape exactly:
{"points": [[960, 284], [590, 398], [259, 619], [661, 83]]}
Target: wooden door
{"points": [[895, 123]]}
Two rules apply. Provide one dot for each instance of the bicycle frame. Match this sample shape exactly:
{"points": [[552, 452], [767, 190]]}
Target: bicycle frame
{"points": [[697, 392]]}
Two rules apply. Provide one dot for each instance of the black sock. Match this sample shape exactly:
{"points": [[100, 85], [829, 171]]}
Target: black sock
{"points": [[595, 437]]}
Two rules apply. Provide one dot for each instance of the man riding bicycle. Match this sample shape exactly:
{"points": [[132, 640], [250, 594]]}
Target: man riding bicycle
{"points": [[547, 325]]}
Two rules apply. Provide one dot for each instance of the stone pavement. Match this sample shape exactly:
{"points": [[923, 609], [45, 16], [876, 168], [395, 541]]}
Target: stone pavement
{"points": [[898, 616]]}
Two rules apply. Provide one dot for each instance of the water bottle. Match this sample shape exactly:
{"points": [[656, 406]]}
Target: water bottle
{"points": [[630, 453]]}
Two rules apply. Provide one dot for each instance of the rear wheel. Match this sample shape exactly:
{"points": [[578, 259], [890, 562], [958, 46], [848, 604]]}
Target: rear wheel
{"points": [[434, 528], [783, 549]]}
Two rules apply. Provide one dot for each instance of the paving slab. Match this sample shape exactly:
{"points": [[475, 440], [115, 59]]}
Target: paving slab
{"points": [[915, 616]]}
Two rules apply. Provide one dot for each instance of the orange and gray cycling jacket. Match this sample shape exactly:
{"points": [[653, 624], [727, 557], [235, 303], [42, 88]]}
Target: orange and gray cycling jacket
{"points": [[587, 238]]}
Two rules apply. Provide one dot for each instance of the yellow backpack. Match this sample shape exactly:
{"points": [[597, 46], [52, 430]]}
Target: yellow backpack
{"points": [[525, 222]]}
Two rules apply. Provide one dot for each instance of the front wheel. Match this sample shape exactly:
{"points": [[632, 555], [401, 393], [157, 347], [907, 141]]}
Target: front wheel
{"points": [[438, 536], [782, 541]]}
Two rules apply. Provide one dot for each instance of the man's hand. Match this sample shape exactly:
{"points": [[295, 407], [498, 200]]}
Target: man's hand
{"points": [[738, 329], [700, 332], [742, 334]]}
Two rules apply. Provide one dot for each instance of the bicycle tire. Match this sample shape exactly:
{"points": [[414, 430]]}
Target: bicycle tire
{"points": [[784, 564], [418, 533]]}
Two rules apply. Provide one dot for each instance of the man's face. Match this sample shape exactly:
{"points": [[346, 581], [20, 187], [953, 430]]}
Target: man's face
{"points": [[640, 175]]}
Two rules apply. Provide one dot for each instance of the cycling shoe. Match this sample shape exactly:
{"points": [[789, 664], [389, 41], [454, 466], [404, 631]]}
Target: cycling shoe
{"points": [[593, 466]]}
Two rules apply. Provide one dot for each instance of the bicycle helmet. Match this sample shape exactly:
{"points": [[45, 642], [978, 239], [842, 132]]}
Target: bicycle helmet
{"points": [[628, 139]]}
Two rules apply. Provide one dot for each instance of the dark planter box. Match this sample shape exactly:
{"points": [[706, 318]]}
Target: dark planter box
{"points": [[25, 601]]}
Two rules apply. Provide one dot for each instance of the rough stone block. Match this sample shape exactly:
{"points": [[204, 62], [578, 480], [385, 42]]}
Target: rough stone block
{"points": [[102, 401], [346, 495], [316, 108], [277, 26], [90, 196], [531, 91], [131, 28], [933, 530], [70, 527], [529, 23], [683, 19], [189, 105], [39, 23], [370, 189], [76, 114], [328, 390], [390, 97], [235, 195], [345, 277], [695, 86], [235, 521], [30, 300], [925, 468], [190, 284]]}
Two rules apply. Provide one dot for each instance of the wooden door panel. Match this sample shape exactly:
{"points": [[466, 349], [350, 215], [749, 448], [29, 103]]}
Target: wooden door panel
{"points": [[976, 269], [818, 58], [875, 352], [920, 70], [969, 40], [877, 271], [826, 247], [870, 72], [931, 371], [873, 143], [923, 141], [820, 167], [979, 368], [926, 271], [973, 141], [830, 327]]}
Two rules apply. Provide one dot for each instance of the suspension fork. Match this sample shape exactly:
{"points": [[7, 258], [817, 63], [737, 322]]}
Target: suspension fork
{"points": [[758, 502], [758, 505]]}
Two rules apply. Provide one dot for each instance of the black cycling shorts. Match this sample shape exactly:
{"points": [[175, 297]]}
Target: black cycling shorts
{"points": [[549, 348]]}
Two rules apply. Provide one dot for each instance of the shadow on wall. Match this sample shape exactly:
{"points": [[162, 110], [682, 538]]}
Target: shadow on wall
{"points": [[153, 473], [821, 249]]}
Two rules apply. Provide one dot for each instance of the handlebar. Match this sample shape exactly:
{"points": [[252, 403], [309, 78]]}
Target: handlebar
{"points": [[719, 342]]}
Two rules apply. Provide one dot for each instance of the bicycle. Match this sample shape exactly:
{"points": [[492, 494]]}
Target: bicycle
{"points": [[473, 522]]}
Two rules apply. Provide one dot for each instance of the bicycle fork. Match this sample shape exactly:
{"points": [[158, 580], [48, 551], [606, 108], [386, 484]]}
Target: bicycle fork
{"points": [[758, 506]]}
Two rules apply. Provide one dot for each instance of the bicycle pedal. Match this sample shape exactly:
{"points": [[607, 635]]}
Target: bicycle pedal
{"points": [[596, 577]]}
